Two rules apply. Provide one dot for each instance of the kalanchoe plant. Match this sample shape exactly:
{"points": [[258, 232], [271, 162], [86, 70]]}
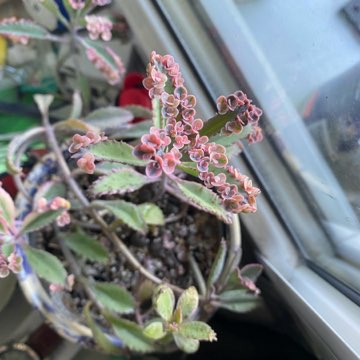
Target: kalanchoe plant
{"points": [[84, 32], [111, 194]]}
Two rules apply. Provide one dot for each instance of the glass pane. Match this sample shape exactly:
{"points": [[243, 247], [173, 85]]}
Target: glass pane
{"points": [[300, 60]]}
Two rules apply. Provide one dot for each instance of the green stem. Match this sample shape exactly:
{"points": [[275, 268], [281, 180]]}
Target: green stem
{"points": [[198, 275]]}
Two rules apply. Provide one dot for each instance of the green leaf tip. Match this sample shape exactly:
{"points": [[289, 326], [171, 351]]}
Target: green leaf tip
{"points": [[164, 302]]}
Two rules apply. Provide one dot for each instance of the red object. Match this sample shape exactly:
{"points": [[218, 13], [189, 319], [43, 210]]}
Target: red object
{"points": [[134, 93]]}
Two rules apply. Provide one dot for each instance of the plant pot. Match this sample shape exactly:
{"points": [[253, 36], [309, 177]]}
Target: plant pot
{"points": [[68, 324]]}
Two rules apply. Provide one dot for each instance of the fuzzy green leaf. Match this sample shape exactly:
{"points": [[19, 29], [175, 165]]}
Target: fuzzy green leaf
{"points": [[35, 221], [46, 265], [188, 302], [155, 330], [152, 214], [120, 182], [100, 338], [7, 249], [127, 212], [136, 130], [202, 198], [109, 118], [86, 246], [24, 28], [231, 139], [114, 297], [241, 306], [100, 48], [49, 190], [115, 151], [189, 167], [187, 345], [238, 300], [157, 118], [217, 265], [236, 295], [139, 111], [214, 125], [251, 271], [197, 330], [130, 334], [7, 209], [164, 302]]}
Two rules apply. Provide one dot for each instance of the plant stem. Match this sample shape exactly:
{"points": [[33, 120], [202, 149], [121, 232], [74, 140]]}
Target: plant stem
{"points": [[76, 269], [235, 251], [198, 275]]}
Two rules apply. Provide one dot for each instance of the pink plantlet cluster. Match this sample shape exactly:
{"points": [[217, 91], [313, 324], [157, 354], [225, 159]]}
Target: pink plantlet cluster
{"points": [[164, 148], [12, 263], [77, 4], [247, 114], [57, 203], [83, 141], [80, 142], [113, 73], [98, 27], [16, 39], [70, 281]]}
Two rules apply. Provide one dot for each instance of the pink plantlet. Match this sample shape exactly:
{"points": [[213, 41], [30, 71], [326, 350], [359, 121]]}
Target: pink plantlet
{"points": [[256, 135], [15, 263], [98, 26], [56, 288], [78, 142], [63, 219], [181, 141], [180, 92], [188, 102], [218, 180], [203, 164], [76, 4], [87, 163], [144, 151], [219, 160], [197, 125], [59, 203], [70, 281], [222, 105], [169, 163], [154, 168], [196, 154], [42, 205]]}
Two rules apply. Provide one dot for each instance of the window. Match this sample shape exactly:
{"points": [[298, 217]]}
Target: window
{"points": [[298, 61]]}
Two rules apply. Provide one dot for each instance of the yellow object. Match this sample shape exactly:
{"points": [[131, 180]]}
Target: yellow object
{"points": [[3, 50]]}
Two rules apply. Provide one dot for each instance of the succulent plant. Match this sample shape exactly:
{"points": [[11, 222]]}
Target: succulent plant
{"points": [[179, 155]]}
